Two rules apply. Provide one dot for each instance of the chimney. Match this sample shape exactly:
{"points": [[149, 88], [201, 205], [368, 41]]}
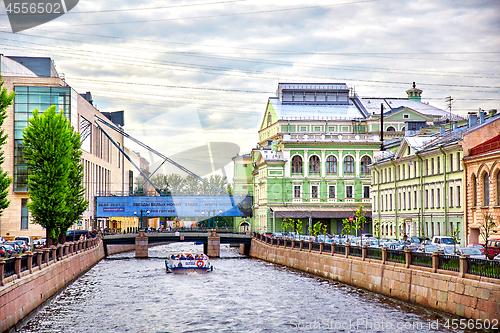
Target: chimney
{"points": [[481, 116], [472, 119], [414, 94]]}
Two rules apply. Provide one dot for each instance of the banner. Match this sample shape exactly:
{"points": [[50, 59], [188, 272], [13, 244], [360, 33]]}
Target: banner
{"points": [[174, 206]]}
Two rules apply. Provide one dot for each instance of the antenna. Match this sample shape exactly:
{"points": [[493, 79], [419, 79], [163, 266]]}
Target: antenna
{"points": [[450, 102]]}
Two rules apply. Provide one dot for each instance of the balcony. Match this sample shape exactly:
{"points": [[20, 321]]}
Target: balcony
{"points": [[348, 137]]}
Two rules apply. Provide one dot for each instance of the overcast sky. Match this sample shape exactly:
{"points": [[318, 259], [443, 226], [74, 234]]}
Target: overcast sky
{"points": [[191, 72]]}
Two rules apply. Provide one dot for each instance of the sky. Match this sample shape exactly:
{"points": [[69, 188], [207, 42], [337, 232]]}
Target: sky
{"points": [[191, 73]]}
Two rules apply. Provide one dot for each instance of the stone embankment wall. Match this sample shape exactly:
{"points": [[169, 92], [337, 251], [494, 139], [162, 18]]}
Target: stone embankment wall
{"points": [[27, 289], [470, 296]]}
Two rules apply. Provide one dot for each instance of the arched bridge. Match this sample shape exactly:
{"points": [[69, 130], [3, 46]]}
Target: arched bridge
{"points": [[211, 241]]}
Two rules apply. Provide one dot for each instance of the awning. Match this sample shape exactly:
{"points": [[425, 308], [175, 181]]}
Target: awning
{"points": [[317, 212]]}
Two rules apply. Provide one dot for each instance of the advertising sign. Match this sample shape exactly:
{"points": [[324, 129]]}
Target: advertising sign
{"points": [[174, 206]]}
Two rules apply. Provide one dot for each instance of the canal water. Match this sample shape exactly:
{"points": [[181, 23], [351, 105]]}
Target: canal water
{"points": [[124, 294]]}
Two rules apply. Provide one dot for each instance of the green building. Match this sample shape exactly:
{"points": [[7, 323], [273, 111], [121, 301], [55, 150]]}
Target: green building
{"points": [[316, 144]]}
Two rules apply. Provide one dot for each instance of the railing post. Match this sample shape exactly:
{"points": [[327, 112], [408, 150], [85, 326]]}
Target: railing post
{"points": [[347, 246], [46, 254], [463, 265], [54, 255], [59, 251], [310, 246], [435, 261], [30, 261], [72, 248], [17, 265], [321, 247], [293, 243], [364, 252], [333, 248], [301, 245], [408, 257], [284, 243], [384, 254], [2, 270], [39, 258]]}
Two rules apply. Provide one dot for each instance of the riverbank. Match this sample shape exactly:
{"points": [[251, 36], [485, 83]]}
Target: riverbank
{"points": [[32, 284], [477, 298]]}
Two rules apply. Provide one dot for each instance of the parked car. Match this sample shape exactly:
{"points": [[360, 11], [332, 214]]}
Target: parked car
{"points": [[5, 251], [442, 241], [429, 248], [26, 239], [477, 246], [22, 244], [16, 248], [38, 243], [493, 247], [472, 252], [497, 257]]}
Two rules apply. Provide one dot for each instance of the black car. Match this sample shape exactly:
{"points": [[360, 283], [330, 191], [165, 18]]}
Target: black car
{"points": [[17, 249], [5, 250], [74, 235]]}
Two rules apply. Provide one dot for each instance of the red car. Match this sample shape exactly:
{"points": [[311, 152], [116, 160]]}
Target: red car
{"points": [[493, 248]]}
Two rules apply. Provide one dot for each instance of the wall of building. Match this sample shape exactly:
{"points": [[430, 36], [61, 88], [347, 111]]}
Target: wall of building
{"points": [[466, 297], [21, 296]]}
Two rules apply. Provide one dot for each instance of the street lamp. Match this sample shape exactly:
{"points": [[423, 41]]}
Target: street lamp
{"points": [[142, 213]]}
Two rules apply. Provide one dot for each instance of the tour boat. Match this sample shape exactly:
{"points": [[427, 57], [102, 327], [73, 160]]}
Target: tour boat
{"points": [[188, 262]]}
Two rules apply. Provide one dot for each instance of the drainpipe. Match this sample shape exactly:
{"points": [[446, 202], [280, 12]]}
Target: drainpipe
{"points": [[421, 209], [396, 201], [445, 190], [378, 197]]}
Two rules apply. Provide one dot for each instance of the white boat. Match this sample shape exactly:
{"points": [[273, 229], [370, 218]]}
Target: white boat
{"points": [[188, 262]]}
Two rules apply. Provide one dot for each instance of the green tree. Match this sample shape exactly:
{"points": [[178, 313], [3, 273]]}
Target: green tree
{"points": [[486, 228], [315, 230], [378, 230], [359, 221], [346, 228], [5, 181], [455, 235], [48, 152], [76, 194]]}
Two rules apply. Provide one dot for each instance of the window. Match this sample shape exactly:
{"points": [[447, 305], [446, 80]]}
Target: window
{"points": [[296, 191], [458, 196], [331, 164], [403, 170], [450, 196], [438, 197], [399, 172], [399, 202], [415, 169], [432, 166], [474, 189], [409, 199], [390, 201], [406, 116], [432, 198], [451, 162], [438, 160], [404, 200], [349, 191], [365, 162], [486, 192], [331, 191], [458, 161], [426, 198], [296, 165], [24, 214], [366, 192], [427, 167], [391, 129], [415, 199], [385, 177], [269, 119], [386, 204], [348, 164], [314, 164], [314, 191]]}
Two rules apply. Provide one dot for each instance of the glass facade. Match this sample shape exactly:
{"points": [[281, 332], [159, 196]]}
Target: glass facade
{"points": [[28, 98]]}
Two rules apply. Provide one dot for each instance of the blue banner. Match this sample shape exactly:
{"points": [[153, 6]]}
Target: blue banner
{"points": [[174, 206]]}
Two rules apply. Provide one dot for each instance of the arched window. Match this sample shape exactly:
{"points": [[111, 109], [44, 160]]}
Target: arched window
{"points": [[296, 165], [498, 188], [313, 164], [348, 164], [486, 189], [269, 119], [365, 161], [391, 129], [331, 164]]}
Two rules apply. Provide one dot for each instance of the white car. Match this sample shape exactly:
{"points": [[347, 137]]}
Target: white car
{"points": [[497, 257], [472, 252]]}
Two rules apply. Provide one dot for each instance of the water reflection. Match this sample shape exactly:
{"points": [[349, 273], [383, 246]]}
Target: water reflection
{"points": [[124, 294]]}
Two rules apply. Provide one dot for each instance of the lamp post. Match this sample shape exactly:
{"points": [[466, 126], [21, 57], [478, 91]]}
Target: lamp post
{"points": [[142, 213]]}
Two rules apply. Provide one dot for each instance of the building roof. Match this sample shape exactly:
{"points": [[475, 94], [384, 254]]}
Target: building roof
{"points": [[315, 111]]}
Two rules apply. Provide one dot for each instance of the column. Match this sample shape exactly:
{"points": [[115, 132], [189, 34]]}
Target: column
{"points": [[141, 245], [306, 163], [323, 163], [340, 165], [213, 245], [357, 164]]}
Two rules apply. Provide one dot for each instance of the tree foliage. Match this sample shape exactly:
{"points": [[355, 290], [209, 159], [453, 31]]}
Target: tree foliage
{"points": [[55, 173], [175, 184], [5, 181], [486, 228]]}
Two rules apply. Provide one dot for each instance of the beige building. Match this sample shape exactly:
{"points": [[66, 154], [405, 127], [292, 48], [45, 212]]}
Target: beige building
{"points": [[482, 168], [37, 85]]}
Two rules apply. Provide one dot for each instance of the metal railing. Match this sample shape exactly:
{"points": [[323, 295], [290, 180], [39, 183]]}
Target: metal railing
{"points": [[316, 246], [9, 267], [340, 248], [484, 267], [396, 256], [421, 259], [449, 263], [374, 253], [24, 263], [356, 251], [327, 247]]}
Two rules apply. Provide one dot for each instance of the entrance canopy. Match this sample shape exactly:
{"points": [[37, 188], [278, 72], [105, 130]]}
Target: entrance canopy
{"points": [[317, 212]]}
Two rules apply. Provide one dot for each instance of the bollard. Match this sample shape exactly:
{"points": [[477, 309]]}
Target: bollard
{"points": [[17, 265], [384, 254], [46, 255], [301, 245], [364, 252], [39, 259], [463, 265], [347, 245], [2, 269], [408, 257], [30, 261], [321, 247], [435, 261], [53, 248], [310, 246], [333, 248]]}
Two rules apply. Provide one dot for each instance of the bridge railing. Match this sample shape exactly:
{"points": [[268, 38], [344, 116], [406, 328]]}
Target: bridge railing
{"points": [[435, 262]]}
